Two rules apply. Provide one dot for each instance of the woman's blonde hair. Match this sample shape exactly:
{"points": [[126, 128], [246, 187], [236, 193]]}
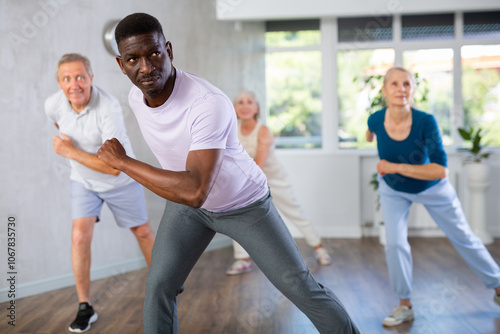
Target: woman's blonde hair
{"points": [[402, 69]]}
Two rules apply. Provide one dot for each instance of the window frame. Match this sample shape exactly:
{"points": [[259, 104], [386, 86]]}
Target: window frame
{"points": [[330, 46]]}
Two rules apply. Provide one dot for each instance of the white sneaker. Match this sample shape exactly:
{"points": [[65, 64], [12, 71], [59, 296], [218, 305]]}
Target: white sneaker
{"points": [[322, 257], [399, 315], [239, 267]]}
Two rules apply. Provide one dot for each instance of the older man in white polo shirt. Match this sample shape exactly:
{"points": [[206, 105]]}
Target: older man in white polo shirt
{"points": [[86, 117]]}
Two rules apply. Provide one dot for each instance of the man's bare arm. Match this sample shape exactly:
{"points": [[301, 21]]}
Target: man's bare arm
{"points": [[190, 187]]}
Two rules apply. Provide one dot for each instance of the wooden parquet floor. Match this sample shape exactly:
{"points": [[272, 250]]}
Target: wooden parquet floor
{"points": [[448, 297]]}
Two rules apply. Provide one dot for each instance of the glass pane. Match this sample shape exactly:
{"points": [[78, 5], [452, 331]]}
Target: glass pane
{"points": [[481, 89], [434, 94], [360, 76], [364, 29], [482, 25], [427, 27], [293, 38], [293, 96]]}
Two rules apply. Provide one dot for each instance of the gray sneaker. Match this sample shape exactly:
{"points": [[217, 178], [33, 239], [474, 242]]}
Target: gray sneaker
{"points": [[399, 315]]}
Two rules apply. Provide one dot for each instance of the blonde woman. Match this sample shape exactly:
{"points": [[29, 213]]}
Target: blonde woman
{"points": [[413, 168]]}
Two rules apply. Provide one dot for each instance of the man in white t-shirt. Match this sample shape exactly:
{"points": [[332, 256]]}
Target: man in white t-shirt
{"points": [[210, 183], [86, 116]]}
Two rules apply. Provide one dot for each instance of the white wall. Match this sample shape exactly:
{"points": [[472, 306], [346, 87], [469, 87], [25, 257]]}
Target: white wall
{"points": [[327, 187], [33, 179]]}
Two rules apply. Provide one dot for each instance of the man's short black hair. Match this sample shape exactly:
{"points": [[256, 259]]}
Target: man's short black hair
{"points": [[136, 24]]}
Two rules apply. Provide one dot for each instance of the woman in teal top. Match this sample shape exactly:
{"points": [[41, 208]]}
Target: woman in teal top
{"points": [[413, 168]]}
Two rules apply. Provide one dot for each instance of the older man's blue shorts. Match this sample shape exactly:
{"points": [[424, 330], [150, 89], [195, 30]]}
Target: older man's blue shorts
{"points": [[126, 203]]}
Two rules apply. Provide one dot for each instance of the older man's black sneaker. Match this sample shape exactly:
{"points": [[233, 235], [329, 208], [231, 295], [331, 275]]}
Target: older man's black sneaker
{"points": [[84, 318]]}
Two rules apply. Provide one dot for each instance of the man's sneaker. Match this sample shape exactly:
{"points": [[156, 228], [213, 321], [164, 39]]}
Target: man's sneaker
{"points": [[496, 299], [84, 318], [239, 267], [399, 315], [322, 257]]}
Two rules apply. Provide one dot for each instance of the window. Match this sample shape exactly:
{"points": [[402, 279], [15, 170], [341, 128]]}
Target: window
{"points": [[481, 89], [293, 83], [482, 25], [363, 29], [432, 47], [434, 92], [427, 27], [455, 57]]}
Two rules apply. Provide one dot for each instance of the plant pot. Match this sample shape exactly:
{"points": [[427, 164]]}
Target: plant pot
{"points": [[477, 171], [478, 183]]}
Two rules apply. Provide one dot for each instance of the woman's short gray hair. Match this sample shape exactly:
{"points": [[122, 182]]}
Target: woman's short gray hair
{"points": [[250, 93]]}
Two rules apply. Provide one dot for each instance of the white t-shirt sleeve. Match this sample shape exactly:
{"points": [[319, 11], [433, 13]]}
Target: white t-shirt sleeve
{"points": [[211, 119]]}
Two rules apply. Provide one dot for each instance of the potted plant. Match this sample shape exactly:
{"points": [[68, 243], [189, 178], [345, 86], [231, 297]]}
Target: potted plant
{"points": [[477, 170], [377, 213]]}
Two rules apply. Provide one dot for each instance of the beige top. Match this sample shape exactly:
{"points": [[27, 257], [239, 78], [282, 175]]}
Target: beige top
{"points": [[272, 167]]}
